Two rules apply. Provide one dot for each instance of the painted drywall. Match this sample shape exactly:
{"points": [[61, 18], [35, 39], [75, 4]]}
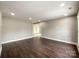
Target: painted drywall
{"points": [[0, 32], [14, 29], [0, 26], [78, 27], [64, 29]]}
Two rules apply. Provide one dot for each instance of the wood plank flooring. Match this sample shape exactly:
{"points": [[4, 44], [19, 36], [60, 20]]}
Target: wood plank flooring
{"points": [[38, 48]]}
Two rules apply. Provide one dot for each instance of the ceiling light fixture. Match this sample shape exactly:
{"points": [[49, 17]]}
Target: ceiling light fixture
{"points": [[30, 18], [65, 14], [39, 20], [12, 13], [62, 4]]}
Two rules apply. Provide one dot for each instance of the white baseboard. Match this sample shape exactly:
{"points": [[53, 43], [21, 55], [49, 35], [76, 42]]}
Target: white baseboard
{"points": [[16, 40], [60, 40], [42, 37]]}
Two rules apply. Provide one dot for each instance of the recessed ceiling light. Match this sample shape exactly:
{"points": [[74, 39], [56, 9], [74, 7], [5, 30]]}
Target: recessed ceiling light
{"points": [[12, 14], [30, 18], [65, 14], [39, 20], [62, 4]]}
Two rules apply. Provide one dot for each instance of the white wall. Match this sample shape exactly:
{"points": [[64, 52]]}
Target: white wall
{"points": [[78, 27], [78, 30], [13, 29], [0, 26], [64, 29], [0, 32]]}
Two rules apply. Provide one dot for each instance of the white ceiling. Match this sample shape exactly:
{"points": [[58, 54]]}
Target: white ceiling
{"points": [[38, 10]]}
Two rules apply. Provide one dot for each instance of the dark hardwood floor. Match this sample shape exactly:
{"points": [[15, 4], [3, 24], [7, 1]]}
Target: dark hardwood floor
{"points": [[38, 48]]}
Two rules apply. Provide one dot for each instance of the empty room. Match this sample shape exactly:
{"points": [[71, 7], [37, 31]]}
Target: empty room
{"points": [[39, 29]]}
